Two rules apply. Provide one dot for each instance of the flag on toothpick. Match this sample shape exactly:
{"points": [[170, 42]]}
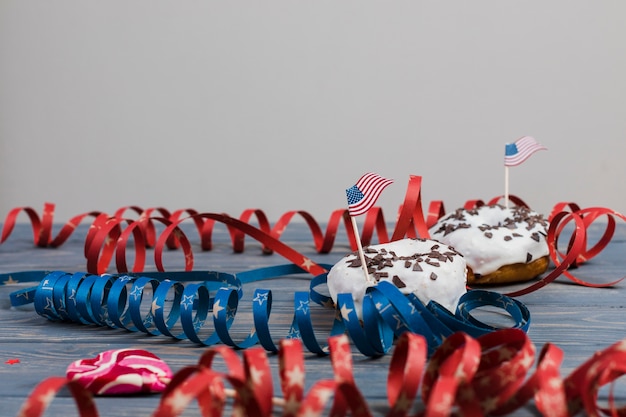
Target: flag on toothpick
{"points": [[363, 195], [518, 152], [361, 198]]}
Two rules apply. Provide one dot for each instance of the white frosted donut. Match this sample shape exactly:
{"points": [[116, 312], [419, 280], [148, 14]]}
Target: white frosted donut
{"points": [[429, 269], [493, 237]]}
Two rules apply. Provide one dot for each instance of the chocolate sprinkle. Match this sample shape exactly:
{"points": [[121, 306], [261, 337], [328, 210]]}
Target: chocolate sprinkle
{"points": [[432, 263], [398, 282], [380, 275], [529, 257], [519, 217], [355, 263], [433, 276], [384, 263], [379, 260]]}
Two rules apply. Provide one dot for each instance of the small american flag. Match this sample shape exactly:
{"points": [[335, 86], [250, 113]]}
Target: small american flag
{"points": [[363, 195], [518, 152]]}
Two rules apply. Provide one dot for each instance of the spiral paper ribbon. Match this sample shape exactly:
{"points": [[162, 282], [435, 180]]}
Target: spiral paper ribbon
{"points": [[488, 375], [202, 302], [109, 236]]}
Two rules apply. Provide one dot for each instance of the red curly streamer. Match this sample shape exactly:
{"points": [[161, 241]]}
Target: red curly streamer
{"points": [[583, 219], [607, 235], [448, 370], [174, 243], [323, 244], [589, 215], [291, 372], [101, 242], [596, 372], [42, 227], [500, 357], [146, 226], [488, 375], [435, 212], [108, 235], [411, 216], [280, 247], [566, 206], [135, 229], [405, 371], [238, 236], [39, 399]]}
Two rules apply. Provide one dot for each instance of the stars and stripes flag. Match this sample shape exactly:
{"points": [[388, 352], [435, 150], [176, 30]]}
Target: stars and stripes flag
{"points": [[363, 195], [518, 152]]}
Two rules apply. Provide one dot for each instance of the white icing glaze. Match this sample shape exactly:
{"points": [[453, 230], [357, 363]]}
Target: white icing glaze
{"points": [[490, 237], [442, 277]]}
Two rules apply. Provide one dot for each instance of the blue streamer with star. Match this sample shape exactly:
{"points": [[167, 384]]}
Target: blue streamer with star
{"points": [[201, 306]]}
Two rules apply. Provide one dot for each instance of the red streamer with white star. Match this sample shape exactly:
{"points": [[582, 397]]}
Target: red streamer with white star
{"points": [[489, 375]]}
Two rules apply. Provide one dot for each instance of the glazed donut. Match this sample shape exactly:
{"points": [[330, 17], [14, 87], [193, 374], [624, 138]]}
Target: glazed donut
{"points": [[500, 245], [429, 269]]}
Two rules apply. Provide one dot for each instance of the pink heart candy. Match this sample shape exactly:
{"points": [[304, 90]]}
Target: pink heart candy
{"points": [[121, 372]]}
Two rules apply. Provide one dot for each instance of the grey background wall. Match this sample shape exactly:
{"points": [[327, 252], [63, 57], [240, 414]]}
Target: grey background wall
{"points": [[281, 105]]}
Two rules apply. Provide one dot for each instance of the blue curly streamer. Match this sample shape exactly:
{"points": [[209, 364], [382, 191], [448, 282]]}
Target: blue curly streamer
{"points": [[204, 305]]}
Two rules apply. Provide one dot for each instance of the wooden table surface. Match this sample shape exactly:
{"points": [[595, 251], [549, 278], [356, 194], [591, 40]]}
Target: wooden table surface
{"points": [[577, 319]]}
